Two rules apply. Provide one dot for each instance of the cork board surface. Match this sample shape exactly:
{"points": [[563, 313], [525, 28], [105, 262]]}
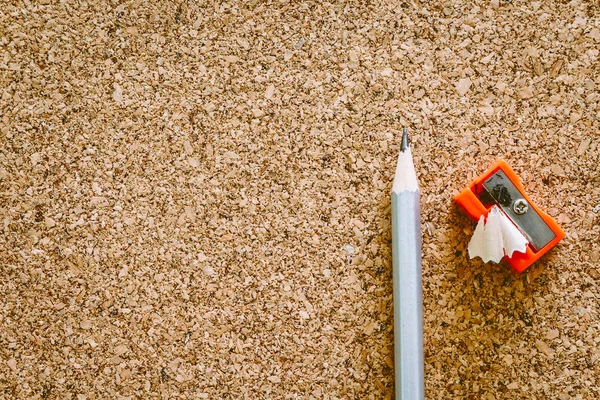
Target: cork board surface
{"points": [[194, 196]]}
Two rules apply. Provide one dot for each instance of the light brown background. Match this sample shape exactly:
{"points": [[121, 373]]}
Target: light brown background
{"points": [[195, 196]]}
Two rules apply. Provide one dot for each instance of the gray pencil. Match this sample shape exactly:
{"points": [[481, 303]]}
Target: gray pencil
{"points": [[408, 302]]}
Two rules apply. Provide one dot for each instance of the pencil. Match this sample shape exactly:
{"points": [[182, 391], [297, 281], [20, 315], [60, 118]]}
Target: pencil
{"points": [[408, 301]]}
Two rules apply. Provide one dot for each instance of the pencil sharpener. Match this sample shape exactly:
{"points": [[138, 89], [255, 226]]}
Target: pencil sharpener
{"points": [[500, 186]]}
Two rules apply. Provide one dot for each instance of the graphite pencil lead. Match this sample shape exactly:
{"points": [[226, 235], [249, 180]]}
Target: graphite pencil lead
{"points": [[404, 144]]}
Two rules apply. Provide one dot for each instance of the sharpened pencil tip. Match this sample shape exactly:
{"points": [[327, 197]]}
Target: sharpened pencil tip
{"points": [[405, 177], [404, 145]]}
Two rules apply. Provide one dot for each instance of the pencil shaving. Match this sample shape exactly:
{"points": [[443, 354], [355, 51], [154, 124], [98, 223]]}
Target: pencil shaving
{"points": [[496, 237]]}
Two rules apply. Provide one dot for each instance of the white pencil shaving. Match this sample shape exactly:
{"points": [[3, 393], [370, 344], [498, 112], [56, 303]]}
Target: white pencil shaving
{"points": [[496, 237]]}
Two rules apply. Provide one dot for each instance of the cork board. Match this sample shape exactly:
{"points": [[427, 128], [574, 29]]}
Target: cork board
{"points": [[194, 196]]}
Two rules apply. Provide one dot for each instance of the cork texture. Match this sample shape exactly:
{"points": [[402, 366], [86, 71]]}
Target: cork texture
{"points": [[195, 196]]}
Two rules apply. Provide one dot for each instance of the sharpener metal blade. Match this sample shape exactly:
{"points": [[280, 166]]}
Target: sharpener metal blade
{"points": [[531, 224]]}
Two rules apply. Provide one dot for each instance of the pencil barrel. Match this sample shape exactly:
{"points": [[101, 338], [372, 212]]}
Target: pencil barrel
{"points": [[408, 301]]}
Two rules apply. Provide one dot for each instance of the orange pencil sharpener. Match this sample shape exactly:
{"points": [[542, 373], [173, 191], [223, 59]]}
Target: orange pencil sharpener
{"points": [[500, 186]]}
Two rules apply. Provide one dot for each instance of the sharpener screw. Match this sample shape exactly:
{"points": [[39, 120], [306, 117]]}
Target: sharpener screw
{"points": [[520, 206]]}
